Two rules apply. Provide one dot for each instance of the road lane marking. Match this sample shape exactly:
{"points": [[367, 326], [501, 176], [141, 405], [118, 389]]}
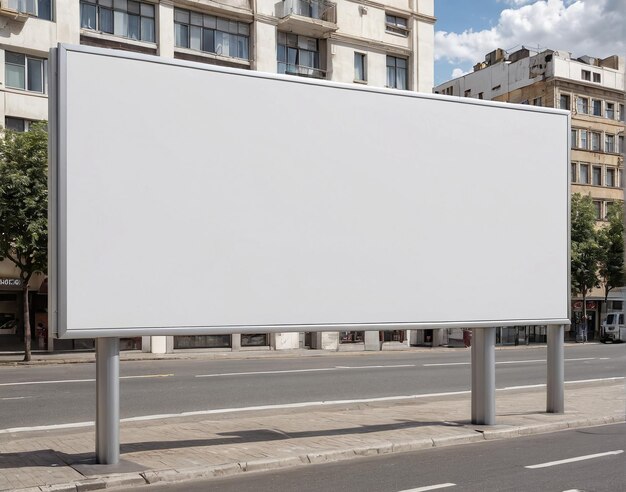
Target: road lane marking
{"points": [[292, 371], [543, 385], [59, 381], [530, 361], [266, 407], [431, 487], [572, 460], [17, 398]]}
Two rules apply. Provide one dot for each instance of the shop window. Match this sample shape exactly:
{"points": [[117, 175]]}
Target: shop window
{"points": [[351, 336], [254, 340]]}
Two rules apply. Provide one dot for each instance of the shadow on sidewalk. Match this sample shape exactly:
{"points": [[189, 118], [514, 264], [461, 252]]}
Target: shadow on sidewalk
{"points": [[53, 458]]}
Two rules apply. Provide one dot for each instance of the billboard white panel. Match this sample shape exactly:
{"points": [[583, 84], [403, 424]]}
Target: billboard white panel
{"points": [[198, 199]]}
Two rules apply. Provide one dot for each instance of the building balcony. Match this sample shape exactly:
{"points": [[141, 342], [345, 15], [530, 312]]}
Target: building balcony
{"points": [[315, 18], [301, 70]]}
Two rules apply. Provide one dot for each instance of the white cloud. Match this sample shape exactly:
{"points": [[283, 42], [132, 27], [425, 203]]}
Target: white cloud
{"points": [[458, 72], [582, 27]]}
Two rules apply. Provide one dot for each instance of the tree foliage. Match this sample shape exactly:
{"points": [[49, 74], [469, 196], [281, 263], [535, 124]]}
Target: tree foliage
{"points": [[586, 249], [24, 207], [611, 241]]}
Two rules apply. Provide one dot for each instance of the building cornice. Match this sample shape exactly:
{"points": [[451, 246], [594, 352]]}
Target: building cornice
{"points": [[429, 19]]}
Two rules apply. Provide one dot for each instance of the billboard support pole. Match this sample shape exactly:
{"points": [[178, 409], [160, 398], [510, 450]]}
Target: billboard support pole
{"points": [[107, 401], [555, 402], [484, 376]]}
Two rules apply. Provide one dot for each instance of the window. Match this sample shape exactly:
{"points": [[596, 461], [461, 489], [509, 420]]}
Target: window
{"points": [[574, 138], [620, 116], [397, 74], [596, 77], [467, 93], [584, 139], [582, 105], [299, 55], [596, 106], [360, 67], [481, 95], [620, 144], [537, 101], [596, 176], [609, 110], [25, 72], [584, 174], [595, 141], [211, 34], [597, 205], [574, 169], [564, 102], [585, 75], [620, 176], [36, 8], [609, 143], [448, 91], [17, 124], [396, 25], [609, 178], [124, 18]]}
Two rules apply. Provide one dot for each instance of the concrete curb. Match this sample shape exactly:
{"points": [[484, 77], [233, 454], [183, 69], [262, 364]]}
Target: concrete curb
{"points": [[317, 457]]}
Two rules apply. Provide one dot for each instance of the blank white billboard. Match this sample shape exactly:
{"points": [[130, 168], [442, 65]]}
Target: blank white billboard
{"points": [[193, 199]]}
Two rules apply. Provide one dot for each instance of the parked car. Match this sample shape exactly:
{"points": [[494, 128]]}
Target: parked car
{"points": [[612, 328]]}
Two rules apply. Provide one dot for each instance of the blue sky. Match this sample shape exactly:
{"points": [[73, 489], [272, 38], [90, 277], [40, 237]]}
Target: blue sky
{"points": [[468, 29]]}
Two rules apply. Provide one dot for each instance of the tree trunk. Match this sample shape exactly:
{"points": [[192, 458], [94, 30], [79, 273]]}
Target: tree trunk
{"points": [[27, 337]]}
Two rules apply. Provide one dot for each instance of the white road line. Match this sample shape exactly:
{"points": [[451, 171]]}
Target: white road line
{"points": [[292, 371], [543, 385], [572, 460], [270, 407], [530, 361], [235, 410], [431, 487], [17, 398], [59, 381]]}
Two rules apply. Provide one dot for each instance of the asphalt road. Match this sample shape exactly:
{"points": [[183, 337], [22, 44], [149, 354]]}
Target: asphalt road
{"points": [[60, 394], [592, 459]]}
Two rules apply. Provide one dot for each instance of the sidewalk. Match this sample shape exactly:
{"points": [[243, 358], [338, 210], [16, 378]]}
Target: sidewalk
{"points": [[39, 358], [219, 444]]}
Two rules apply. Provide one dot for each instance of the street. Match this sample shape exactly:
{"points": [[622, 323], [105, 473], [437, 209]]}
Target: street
{"points": [[35, 396], [591, 459]]}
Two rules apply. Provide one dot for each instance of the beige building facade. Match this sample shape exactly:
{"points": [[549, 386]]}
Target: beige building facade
{"points": [[381, 44], [593, 90]]}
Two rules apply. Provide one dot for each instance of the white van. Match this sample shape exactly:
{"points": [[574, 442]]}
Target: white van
{"points": [[612, 328]]}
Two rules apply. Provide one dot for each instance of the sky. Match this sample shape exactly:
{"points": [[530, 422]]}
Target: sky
{"points": [[466, 30]]}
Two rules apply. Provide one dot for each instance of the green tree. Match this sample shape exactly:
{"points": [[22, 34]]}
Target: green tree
{"points": [[24, 208], [586, 251], [611, 241]]}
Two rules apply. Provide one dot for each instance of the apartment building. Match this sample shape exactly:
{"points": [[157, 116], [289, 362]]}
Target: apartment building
{"points": [[592, 89], [381, 44]]}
